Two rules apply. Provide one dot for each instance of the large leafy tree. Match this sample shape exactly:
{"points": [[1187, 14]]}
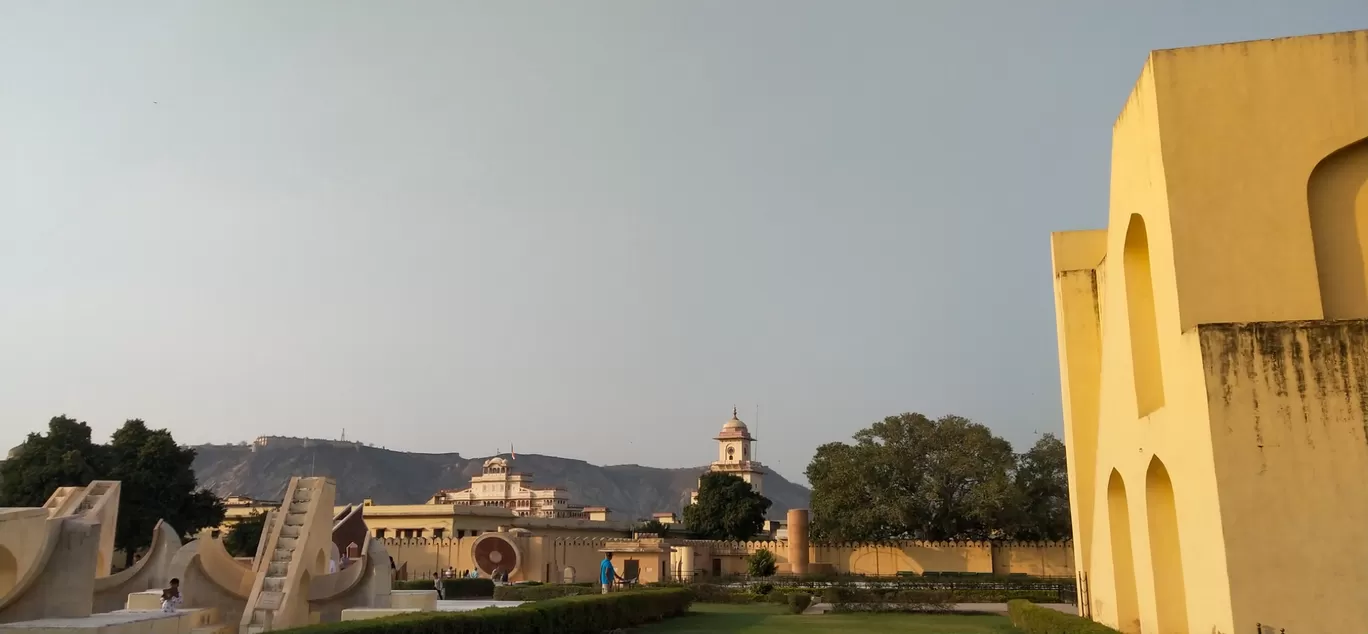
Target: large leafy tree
{"points": [[65, 456], [727, 508], [157, 482], [1042, 484], [909, 476], [155, 473]]}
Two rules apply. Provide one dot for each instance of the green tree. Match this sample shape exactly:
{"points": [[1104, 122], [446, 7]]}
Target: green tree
{"points": [[761, 564], [155, 475], [1042, 487], [65, 456], [909, 476], [242, 539], [655, 527], [157, 482], [727, 508]]}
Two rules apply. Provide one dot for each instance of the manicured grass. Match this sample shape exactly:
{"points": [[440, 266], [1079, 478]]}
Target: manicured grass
{"points": [[711, 618]]}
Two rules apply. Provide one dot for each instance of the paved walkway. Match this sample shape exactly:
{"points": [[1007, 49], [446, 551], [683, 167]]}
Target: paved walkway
{"points": [[963, 608]]}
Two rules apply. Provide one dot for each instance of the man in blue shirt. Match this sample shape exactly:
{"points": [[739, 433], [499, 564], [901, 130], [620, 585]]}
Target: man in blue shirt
{"points": [[606, 572]]}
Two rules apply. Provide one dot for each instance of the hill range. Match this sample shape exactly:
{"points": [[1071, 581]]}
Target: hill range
{"points": [[396, 477]]}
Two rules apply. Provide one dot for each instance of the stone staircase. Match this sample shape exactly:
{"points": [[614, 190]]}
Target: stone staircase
{"points": [[58, 499], [289, 553], [94, 493]]}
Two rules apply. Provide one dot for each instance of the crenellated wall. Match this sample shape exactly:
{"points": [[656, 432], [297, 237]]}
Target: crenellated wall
{"points": [[547, 557]]}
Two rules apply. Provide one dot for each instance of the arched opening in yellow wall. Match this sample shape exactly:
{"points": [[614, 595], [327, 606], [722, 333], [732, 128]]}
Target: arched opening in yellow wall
{"points": [[9, 571], [320, 566], [1123, 562], [1166, 555], [1337, 195], [1144, 326]]}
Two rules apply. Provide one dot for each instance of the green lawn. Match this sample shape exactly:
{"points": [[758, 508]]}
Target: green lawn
{"points": [[766, 619]]}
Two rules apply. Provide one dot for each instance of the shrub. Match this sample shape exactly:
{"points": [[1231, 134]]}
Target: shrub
{"points": [[778, 596], [709, 593], [467, 588], [798, 602], [762, 588], [761, 564], [1033, 619], [416, 584], [542, 592], [567, 615]]}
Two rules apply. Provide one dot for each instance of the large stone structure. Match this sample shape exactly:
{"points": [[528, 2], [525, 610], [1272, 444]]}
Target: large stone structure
{"points": [[1213, 346], [54, 564]]}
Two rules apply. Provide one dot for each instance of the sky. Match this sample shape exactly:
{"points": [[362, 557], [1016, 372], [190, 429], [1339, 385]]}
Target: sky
{"points": [[586, 229]]}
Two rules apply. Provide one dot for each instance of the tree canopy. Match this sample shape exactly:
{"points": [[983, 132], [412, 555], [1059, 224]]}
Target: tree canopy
{"points": [[155, 475], [654, 527], [242, 539], [64, 457], [911, 477], [727, 508]]}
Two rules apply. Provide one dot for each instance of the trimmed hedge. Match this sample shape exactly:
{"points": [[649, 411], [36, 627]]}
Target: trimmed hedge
{"points": [[467, 588], [417, 584], [1033, 619], [846, 594], [799, 602], [567, 615], [461, 588], [542, 592]]}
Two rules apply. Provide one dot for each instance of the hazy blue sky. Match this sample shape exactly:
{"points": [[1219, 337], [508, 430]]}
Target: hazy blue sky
{"points": [[584, 228]]}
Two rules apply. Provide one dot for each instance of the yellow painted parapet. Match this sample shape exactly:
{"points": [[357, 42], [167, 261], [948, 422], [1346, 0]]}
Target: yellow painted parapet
{"points": [[1213, 413]]}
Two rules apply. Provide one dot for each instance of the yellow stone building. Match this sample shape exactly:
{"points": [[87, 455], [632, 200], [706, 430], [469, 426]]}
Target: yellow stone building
{"points": [[1213, 346]]}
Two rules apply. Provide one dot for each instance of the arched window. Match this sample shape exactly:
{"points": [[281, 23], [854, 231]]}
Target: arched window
{"points": [[1337, 196], [1144, 327]]}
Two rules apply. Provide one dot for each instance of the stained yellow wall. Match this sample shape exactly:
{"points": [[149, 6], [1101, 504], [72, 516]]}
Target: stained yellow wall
{"points": [[1228, 164], [1292, 459]]}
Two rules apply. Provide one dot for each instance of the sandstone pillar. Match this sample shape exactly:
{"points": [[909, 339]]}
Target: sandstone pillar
{"points": [[798, 541]]}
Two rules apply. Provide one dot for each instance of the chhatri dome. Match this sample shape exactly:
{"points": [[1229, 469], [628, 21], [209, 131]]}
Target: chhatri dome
{"points": [[734, 428]]}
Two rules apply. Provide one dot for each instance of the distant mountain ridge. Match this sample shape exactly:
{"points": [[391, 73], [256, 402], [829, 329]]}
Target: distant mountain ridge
{"points": [[396, 477]]}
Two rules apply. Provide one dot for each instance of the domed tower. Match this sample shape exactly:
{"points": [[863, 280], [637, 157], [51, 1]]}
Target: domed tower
{"points": [[734, 455]]}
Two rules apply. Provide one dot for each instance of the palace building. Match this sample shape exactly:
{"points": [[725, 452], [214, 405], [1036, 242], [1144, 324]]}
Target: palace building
{"points": [[499, 487]]}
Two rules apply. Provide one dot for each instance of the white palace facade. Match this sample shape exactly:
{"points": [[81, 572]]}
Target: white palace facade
{"points": [[497, 486]]}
